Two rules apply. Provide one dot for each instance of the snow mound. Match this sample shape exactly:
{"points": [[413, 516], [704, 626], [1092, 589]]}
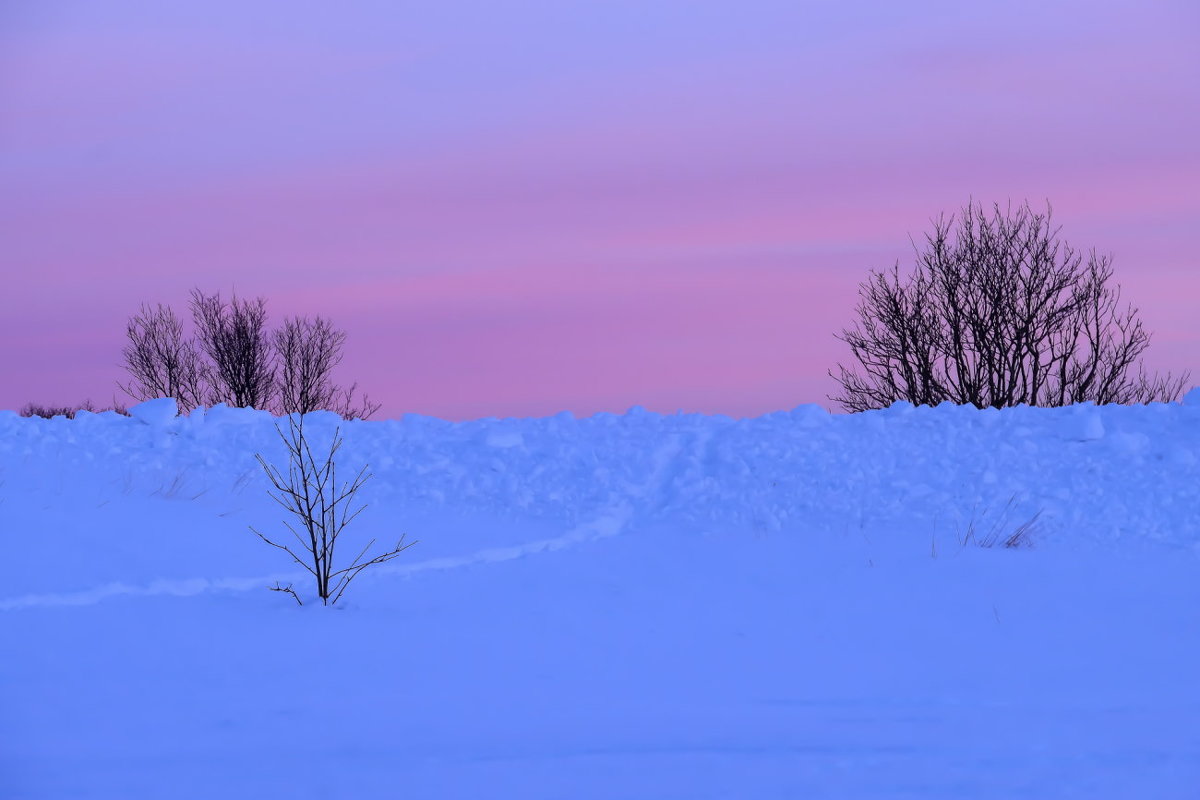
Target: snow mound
{"points": [[156, 412]]}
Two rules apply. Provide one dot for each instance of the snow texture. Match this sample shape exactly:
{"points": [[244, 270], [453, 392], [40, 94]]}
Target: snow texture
{"points": [[799, 605], [155, 412]]}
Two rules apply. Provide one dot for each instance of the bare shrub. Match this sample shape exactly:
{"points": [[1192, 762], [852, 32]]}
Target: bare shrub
{"points": [[233, 336], [308, 350], [49, 412], [160, 361], [998, 312], [346, 407], [234, 359], [322, 509], [46, 412]]}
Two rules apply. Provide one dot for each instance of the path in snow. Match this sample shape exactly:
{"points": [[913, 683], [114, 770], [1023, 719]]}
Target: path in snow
{"points": [[609, 522]]}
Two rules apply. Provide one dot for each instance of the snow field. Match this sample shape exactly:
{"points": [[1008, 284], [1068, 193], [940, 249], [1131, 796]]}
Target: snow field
{"points": [[629, 606]]}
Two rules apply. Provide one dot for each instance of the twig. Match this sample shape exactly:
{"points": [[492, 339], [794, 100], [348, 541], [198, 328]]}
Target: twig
{"points": [[288, 589]]}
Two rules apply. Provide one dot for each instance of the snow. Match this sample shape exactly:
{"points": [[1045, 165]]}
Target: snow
{"points": [[155, 412], [620, 606]]}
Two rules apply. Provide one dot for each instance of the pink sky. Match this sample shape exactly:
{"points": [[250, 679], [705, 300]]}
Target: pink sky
{"points": [[521, 208]]}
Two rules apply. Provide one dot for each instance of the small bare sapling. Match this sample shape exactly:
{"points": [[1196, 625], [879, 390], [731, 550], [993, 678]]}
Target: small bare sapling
{"points": [[321, 510]]}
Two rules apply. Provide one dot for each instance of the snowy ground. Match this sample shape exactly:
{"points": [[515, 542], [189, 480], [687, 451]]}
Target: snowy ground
{"points": [[634, 606]]}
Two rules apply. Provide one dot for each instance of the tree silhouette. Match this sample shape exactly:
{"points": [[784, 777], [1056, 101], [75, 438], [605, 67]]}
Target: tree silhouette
{"points": [[998, 312]]}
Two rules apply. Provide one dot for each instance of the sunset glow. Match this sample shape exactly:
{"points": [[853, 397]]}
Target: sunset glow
{"points": [[519, 208]]}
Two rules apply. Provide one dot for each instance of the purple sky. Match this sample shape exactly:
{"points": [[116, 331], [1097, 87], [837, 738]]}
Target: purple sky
{"points": [[516, 208]]}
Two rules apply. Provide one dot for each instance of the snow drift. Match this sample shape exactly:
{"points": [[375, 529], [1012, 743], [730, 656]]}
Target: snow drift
{"points": [[636, 605]]}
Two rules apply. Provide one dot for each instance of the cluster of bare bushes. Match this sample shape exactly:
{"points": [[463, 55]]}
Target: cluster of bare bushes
{"points": [[233, 358], [998, 312], [49, 412]]}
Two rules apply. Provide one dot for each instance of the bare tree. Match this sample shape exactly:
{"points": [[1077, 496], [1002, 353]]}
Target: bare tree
{"points": [[307, 351], [998, 312], [234, 338], [160, 361], [323, 509], [234, 359]]}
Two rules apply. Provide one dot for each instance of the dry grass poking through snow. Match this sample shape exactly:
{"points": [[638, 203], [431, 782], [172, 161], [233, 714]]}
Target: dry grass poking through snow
{"points": [[999, 532]]}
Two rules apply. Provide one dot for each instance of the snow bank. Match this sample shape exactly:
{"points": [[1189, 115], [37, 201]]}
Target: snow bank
{"points": [[1096, 473], [634, 606]]}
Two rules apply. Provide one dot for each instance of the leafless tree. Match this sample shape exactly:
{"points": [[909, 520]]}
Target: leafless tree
{"points": [[998, 312], [234, 359], [234, 338], [307, 351], [160, 361], [322, 509]]}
